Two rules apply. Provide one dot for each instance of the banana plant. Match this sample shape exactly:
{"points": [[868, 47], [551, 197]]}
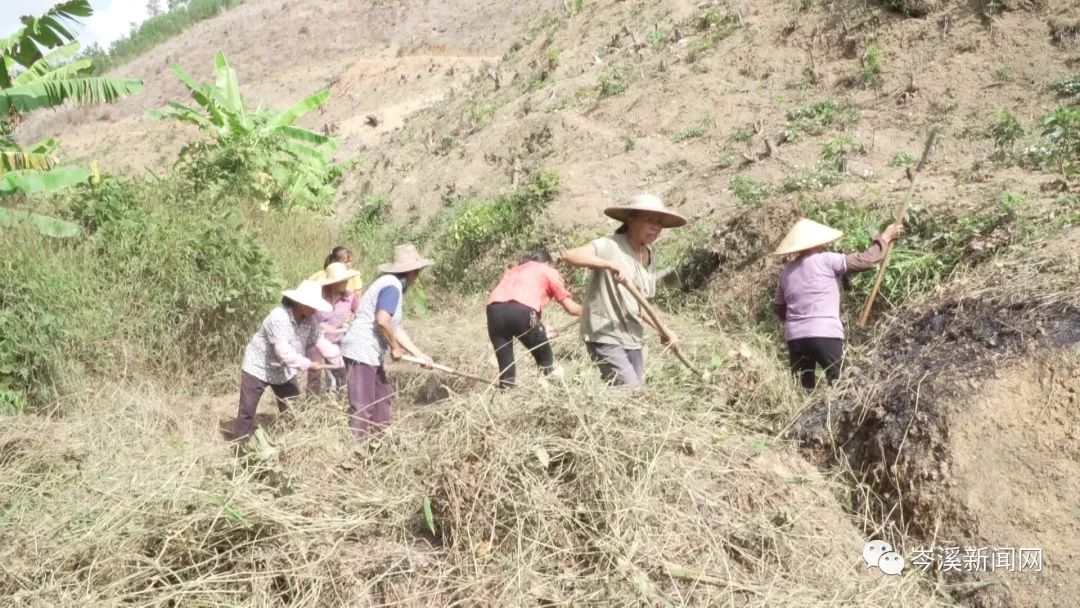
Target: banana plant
{"points": [[302, 159], [37, 71]]}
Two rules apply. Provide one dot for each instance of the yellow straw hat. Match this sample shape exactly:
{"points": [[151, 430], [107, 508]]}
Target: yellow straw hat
{"points": [[338, 272], [807, 234]]}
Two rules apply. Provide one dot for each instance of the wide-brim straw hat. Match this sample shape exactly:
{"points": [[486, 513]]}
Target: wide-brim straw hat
{"points": [[338, 272], [406, 258], [309, 294], [807, 234], [647, 203]]}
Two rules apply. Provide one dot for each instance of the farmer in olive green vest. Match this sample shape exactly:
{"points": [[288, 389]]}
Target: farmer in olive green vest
{"points": [[612, 322]]}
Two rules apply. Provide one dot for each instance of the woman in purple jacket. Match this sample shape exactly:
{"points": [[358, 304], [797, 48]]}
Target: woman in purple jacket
{"points": [[807, 299]]}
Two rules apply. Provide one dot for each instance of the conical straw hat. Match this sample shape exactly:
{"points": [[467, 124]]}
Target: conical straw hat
{"points": [[309, 293], [807, 234], [647, 203]]}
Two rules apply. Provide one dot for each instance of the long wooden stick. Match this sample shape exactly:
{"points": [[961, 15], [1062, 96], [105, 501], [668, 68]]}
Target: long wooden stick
{"points": [[901, 215], [649, 310], [321, 368], [448, 370]]}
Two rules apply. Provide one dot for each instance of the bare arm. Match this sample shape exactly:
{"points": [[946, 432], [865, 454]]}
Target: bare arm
{"points": [[406, 342], [585, 257], [385, 323], [571, 306]]}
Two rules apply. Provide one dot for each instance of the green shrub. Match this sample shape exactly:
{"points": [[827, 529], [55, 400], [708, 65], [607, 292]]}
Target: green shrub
{"points": [[816, 118], [1003, 74], [613, 83], [871, 65], [1059, 148], [168, 275], [477, 238], [741, 135], [657, 39], [934, 245], [1005, 130], [716, 28], [747, 191], [903, 159], [48, 308], [815, 178], [1067, 87], [693, 132], [835, 153]]}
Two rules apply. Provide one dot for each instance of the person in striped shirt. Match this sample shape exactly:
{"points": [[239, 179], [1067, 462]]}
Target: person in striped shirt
{"points": [[375, 331]]}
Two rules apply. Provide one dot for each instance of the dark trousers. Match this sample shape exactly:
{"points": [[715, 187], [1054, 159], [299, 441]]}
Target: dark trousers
{"points": [[806, 354], [251, 391], [369, 398], [507, 321]]}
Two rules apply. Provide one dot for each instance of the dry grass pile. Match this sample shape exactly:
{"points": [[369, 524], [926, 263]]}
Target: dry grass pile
{"points": [[569, 495]]}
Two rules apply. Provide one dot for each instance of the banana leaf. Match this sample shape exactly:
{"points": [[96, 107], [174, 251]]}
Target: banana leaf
{"points": [[30, 182], [49, 226]]}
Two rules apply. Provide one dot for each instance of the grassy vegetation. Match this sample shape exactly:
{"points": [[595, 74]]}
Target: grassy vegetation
{"points": [[613, 83], [872, 65], [748, 191], [692, 132], [1067, 87], [816, 118], [168, 270], [934, 245], [471, 240], [715, 27], [156, 30], [903, 159]]}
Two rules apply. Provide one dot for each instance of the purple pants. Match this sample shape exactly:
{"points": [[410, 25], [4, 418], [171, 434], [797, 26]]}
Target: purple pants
{"points": [[369, 398], [251, 391]]}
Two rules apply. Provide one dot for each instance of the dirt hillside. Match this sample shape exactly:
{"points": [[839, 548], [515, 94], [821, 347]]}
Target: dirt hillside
{"points": [[386, 58], [955, 424]]}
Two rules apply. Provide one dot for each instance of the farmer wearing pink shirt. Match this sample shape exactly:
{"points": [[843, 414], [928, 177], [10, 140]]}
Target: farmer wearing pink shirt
{"points": [[807, 299], [275, 354], [336, 281], [514, 308]]}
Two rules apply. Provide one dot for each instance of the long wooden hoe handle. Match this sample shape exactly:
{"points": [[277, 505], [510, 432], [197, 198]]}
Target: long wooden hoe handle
{"points": [[901, 215], [448, 370], [649, 310]]}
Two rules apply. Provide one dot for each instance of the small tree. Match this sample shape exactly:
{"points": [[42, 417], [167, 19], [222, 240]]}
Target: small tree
{"points": [[153, 8]]}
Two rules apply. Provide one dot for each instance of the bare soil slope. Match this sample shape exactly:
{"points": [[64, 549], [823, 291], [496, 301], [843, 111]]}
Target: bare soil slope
{"points": [[386, 58]]}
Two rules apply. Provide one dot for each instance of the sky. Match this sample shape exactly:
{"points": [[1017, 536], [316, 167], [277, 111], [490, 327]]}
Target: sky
{"points": [[110, 21]]}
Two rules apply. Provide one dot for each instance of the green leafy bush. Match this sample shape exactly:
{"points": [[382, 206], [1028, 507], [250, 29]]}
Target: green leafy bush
{"points": [[169, 275], [816, 118], [1059, 148], [1067, 87], [747, 191], [903, 159], [1005, 130], [479, 237], [613, 83]]}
